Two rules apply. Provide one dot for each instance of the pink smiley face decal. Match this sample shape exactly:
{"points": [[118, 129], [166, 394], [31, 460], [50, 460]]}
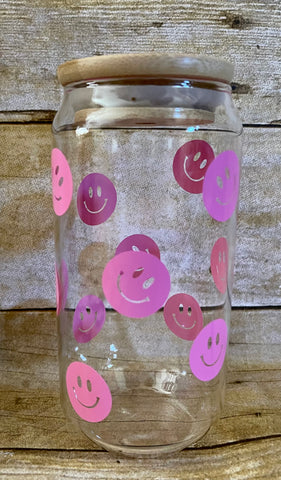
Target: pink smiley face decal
{"points": [[96, 199], [88, 392], [208, 350], [88, 319], [191, 163], [140, 295], [221, 186], [61, 182], [219, 264], [183, 316]]}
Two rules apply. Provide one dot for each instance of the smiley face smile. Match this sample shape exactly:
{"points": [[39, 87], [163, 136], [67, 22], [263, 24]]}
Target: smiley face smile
{"points": [[211, 364], [191, 178], [95, 211], [182, 326], [147, 299], [83, 405]]}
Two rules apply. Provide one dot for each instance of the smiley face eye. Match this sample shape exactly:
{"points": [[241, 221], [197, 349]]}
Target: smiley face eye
{"points": [[227, 173], [89, 386], [148, 283], [60, 181], [79, 381], [57, 170], [219, 182], [99, 191], [88, 310], [181, 307], [217, 339], [189, 311], [209, 342], [91, 193], [197, 156], [203, 164]]}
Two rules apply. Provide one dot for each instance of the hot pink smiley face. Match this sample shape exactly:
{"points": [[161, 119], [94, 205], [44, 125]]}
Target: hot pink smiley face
{"points": [[183, 316], [191, 163], [96, 199], [219, 264], [88, 319], [140, 295], [61, 182], [88, 392], [221, 186], [208, 350]]}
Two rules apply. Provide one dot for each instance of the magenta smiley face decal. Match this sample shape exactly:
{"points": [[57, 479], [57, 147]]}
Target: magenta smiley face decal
{"points": [[140, 295], [88, 319], [221, 186], [61, 182], [219, 264], [96, 199], [208, 350], [183, 316], [88, 392], [138, 243], [191, 163]]}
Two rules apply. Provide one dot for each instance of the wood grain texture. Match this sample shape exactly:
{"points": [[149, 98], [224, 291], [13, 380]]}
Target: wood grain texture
{"points": [[30, 411], [27, 221], [255, 460], [39, 35]]}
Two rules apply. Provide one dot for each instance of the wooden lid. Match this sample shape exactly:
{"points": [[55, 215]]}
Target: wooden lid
{"points": [[145, 65]]}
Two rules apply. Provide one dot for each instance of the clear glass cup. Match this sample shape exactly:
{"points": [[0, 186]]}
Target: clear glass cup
{"points": [[145, 174]]}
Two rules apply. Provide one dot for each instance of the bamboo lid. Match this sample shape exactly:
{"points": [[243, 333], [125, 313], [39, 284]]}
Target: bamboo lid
{"points": [[145, 65]]}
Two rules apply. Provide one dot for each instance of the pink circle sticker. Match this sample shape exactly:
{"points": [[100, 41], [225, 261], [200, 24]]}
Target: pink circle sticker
{"points": [[190, 165], [96, 199], [61, 182], [88, 319], [208, 350], [88, 392], [137, 243], [219, 264], [136, 296], [61, 286], [221, 186], [183, 316]]}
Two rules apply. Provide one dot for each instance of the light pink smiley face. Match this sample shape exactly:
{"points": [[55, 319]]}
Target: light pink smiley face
{"points": [[96, 199], [88, 319], [61, 182], [140, 295], [219, 264], [88, 392], [208, 350], [183, 316], [190, 165], [221, 186]]}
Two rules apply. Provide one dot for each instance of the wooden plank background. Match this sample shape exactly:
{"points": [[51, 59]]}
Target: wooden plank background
{"points": [[36, 36]]}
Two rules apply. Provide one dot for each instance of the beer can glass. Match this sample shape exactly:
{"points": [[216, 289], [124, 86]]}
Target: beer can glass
{"points": [[145, 176]]}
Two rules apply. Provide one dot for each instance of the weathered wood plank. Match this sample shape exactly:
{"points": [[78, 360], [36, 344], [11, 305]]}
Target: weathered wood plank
{"points": [[30, 412], [26, 226], [39, 35], [255, 460]]}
